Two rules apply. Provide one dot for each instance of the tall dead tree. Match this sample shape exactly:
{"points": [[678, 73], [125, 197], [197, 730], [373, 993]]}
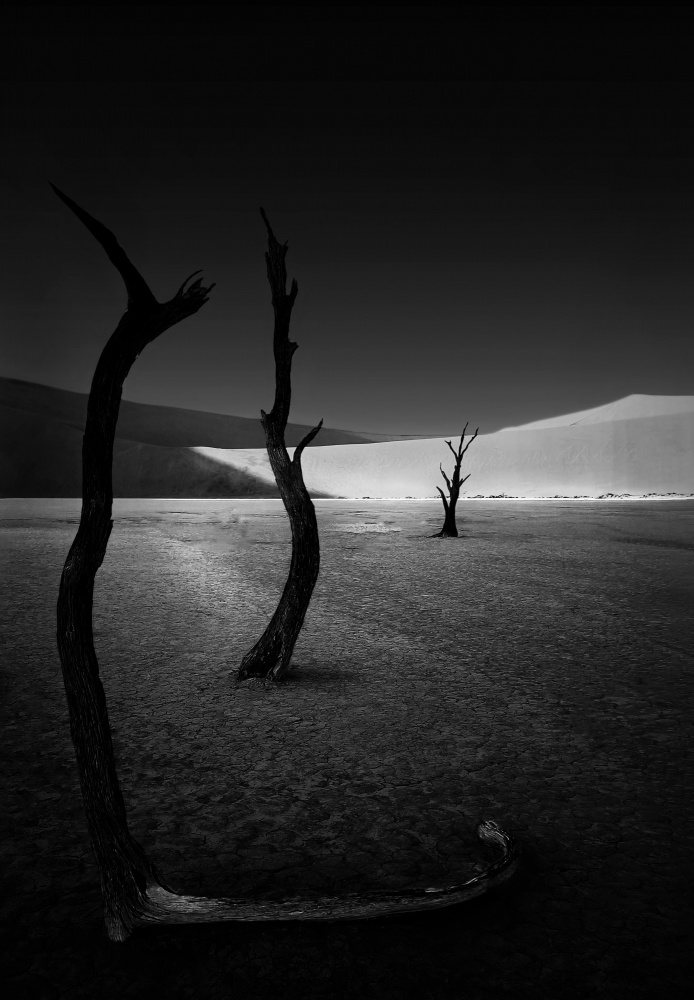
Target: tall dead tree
{"points": [[449, 529], [133, 890], [271, 655], [125, 869]]}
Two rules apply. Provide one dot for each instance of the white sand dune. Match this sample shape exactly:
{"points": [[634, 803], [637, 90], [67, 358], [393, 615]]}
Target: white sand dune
{"points": [[639, 445], [631, 407], [41, 430]]}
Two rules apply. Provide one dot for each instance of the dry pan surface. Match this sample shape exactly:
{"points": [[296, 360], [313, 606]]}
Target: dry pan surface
{"points": [[537, 671]]}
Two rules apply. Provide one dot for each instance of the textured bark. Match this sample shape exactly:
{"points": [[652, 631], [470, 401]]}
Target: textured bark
{"points": [[271, 655], [449, 529], [125, 870]]}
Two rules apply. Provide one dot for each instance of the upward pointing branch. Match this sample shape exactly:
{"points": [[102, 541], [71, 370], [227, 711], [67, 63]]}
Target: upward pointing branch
{"points": [[306, 440], [276, 268], [469, 442], [139, 294]]}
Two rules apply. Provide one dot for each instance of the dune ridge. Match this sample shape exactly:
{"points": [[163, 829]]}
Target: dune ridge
{"points": [[635, 406], [41, 430], [638, 445], [636, 455]]}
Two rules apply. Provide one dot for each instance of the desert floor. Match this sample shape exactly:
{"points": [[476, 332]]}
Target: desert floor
{"points": [[537, 671]]}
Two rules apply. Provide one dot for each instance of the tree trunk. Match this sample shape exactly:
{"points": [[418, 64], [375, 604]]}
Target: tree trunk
{"points": [[126, 872], [134, 892], [449, 529], [271, 655]]}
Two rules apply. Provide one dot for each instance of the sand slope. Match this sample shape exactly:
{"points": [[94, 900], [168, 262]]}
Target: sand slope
{"points": [[637, 445], [631, 407], [41, 445], [638, 454], [168, 426]]}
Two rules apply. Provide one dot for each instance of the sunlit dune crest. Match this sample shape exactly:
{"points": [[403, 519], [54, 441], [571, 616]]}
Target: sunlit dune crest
{"points": [[631, 407], [639, 445]]}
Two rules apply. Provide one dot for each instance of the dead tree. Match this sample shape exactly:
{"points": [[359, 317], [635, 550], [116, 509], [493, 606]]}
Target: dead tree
{"points": [[271, 655], [133, 890], [126, 872], [449, 529]]}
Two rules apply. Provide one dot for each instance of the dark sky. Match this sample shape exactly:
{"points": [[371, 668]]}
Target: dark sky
{"points": [[490, 211]]}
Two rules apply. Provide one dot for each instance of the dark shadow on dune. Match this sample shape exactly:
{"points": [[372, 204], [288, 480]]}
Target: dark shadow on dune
{"points": [[164, 426], [43, 458]]}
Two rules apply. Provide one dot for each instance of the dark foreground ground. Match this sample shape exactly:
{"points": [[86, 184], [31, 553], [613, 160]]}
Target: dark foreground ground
{"points": [[537, 671]]}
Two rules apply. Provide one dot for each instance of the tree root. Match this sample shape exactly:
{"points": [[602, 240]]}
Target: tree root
{"points": [[164, 907]]}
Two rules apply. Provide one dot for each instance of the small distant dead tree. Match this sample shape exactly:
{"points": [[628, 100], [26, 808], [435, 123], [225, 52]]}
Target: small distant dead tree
{"points": [[271, 655], [449, 529], [133, 890]]}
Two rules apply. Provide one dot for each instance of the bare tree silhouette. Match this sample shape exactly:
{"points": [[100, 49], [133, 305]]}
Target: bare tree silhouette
{"points": [[125, 870], [449, 529], [133, 890], [272, 653]]}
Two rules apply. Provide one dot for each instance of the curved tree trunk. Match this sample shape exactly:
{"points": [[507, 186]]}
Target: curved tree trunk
{"points": [[134, 892], [271, 655], [125, 870]]}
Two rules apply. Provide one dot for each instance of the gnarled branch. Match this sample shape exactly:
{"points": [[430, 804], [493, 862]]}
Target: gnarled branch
{"points": [[448, 482], [305, 441], [453, 451], [469, 442], [138, 290]]}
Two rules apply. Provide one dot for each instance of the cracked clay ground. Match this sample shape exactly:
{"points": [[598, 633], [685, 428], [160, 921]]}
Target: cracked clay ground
{"points": [[536, 671]]}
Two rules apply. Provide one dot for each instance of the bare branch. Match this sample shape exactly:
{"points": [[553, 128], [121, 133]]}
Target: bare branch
{"points": [[197, 283], [305, 441], [469, 442], [462, 438], [270, 233], [465, 479], [448, 482], [187, 300], [453, 451], [139, 294], [276, 268]]}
